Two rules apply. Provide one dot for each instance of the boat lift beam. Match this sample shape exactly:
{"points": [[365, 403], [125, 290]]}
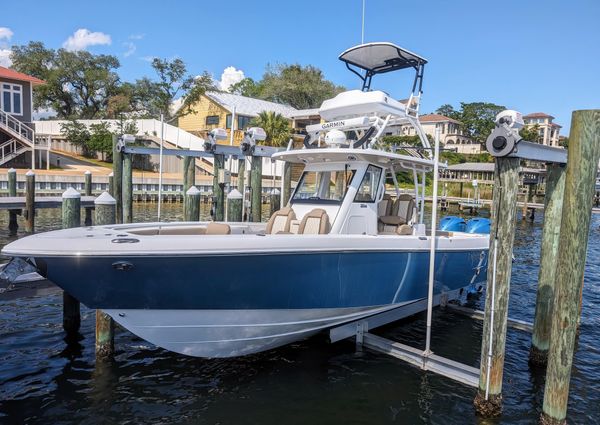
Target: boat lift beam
{"points": [[233, 151], [505, 141]]}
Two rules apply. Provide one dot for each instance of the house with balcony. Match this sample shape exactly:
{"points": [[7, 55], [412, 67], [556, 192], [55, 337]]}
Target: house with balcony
{"points": [[451, 134], [17, 134], [548, 131], [229, 111]]}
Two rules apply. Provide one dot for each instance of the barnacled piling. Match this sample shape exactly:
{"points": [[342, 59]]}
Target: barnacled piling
{"points": [[105, 207], [553, 203], [584, 153], [488, 401]]}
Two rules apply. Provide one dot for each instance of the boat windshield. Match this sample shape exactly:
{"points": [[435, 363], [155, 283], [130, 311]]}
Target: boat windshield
{"points": [[323, 186]]}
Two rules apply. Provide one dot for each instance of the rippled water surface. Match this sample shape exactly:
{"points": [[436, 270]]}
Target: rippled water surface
{"points": [[45, 380]]}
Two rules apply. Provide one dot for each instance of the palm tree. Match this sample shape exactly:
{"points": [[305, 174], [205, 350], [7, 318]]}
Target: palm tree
{"points": [[275, 125]]}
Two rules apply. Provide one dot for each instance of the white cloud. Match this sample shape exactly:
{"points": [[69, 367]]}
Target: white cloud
{"points": [[5, 58], [229, 77], [5, 33], [131, 48], [84, 38]]}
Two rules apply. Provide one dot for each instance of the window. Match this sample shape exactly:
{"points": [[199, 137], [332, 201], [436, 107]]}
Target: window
{"points": [[242, 122], [212, 120], [11, 99], [326, 187], [367, 191]]}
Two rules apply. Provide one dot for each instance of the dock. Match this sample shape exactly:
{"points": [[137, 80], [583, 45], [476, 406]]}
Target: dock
{"points": [[18, 202]]}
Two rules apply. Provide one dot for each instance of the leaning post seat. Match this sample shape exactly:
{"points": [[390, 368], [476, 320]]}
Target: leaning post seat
{"points": [[315, 222], [280, 221], [402, 212]]}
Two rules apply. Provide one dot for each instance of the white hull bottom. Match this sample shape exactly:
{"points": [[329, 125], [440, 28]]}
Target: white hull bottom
{"points": [[231, 333]]}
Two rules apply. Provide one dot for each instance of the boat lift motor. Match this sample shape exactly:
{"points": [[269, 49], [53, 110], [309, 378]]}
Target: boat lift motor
{"points": [[505, 141], [251, 136], [123, 140], [210, 144]]}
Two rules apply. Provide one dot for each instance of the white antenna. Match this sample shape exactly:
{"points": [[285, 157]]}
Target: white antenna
{"points": [[362, 34]]}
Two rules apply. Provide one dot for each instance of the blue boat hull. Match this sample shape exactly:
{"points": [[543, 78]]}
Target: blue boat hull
{"points": [[262, 281]]}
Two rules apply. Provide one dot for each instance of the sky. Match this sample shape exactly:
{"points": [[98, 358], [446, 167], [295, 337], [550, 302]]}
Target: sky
{"points": [[528, 55]]}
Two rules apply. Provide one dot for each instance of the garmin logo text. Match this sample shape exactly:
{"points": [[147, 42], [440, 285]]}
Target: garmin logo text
{"points": [[334, 124]]}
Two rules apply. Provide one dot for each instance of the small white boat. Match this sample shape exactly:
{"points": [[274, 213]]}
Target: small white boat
{"points": [[339, 251]]}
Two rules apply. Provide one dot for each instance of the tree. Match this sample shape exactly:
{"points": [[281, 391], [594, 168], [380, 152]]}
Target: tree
{"points": [[100, 139], [247, 87], [78, 84], [448, 111], [77, 134], [275, 125], [301, 87], [531, 133], [156, 97], [477, 118]]}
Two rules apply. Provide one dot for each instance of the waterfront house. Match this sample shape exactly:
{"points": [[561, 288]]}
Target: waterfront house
{"points": [[548, 130], [229, 111], [16, 109]]}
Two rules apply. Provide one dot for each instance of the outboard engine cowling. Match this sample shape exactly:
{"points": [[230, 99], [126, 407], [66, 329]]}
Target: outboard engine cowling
{"points": [[478, 225], [452, 223]]}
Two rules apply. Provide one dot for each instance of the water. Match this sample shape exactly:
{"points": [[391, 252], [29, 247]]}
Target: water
{"points": [[44, 380]]}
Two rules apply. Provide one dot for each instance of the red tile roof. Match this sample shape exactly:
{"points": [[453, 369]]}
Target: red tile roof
{"points": [[538, 115], [19, 76], [436, 118]]}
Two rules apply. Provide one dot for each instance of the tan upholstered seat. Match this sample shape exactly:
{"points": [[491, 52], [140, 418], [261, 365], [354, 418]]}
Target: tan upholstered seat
{"points": [[384, 208], [402, 211], [315, 222], [213, 228], [280, 221]]}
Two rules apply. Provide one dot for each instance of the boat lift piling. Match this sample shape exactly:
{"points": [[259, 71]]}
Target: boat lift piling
{"points": [[218, 187], [127, 187], [105, 213], [191, 204], [30, 202], [553, 203], [87, 190], [235, 206], [111, 183], [13, 224], [488, 401], [286, 189], [274, 201], [117, 192], [71, 217], [256, 188], [584, 153]]}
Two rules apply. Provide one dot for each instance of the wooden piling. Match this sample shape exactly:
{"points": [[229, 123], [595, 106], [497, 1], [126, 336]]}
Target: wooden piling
{"points": [[127, 188], [287, 183], [584, 153], [525, 202], [13, 224], [111, 184], [117, 192], [189, 172], [192, 204], [488, 401], [30, 201], [256, 189], [241, 174], [219, 188], [87, 189], [553, 202], [71, 217], [105, 213], [234, 206], [274, 201]]}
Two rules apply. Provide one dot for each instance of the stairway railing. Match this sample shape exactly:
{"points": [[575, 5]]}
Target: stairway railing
{"points": [[16, 128]]}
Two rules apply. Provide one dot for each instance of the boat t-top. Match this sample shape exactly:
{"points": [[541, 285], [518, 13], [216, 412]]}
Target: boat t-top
{"points": [[343, 248]]}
